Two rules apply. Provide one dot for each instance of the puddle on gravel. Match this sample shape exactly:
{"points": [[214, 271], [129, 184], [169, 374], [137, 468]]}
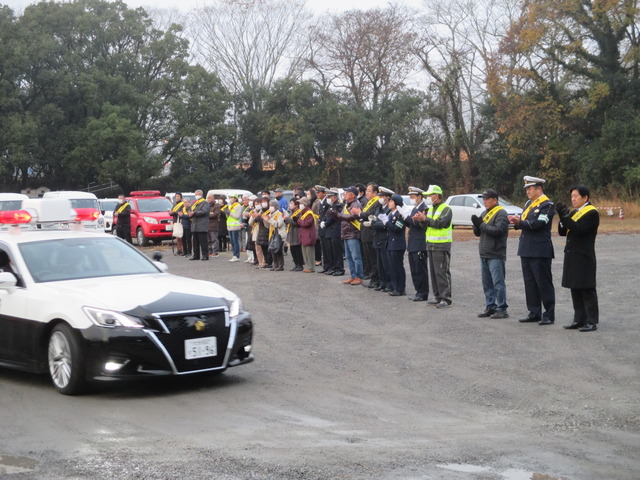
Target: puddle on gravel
{"points": [[9, 465], [509, 474]]}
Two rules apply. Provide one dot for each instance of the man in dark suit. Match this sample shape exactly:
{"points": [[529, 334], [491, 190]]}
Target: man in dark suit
{"points": [[580, 226], [536, 252], [122, 214]]}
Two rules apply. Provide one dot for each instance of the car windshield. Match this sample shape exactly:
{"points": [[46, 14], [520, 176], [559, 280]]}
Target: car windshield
{"points": [[159, 204], [6, 205], [74, 258], [108, 205], [84, 203]]}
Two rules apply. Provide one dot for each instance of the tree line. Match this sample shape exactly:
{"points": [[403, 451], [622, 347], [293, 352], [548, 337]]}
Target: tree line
{"points": [[261, 93]]}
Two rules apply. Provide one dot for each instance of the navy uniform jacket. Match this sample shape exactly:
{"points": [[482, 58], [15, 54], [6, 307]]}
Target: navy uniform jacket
{"points": [[579, 268], [535, 240], [396, 227], [380, 234], [322, 212], [417, 241], [331, 221]]}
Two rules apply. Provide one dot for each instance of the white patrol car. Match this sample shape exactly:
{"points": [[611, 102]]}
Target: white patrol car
{"points": [[88, 306]]}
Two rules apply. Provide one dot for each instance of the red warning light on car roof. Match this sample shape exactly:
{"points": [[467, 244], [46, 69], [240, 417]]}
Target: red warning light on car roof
{"points": [[15, 217]]}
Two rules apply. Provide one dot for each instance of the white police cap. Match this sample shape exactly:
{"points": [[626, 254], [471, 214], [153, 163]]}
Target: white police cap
{"points": [[531, 181], [385, 191]]}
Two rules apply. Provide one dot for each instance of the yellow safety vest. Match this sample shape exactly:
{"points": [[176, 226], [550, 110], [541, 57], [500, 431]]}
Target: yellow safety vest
{"points": [[231, 221], [438, 235]]}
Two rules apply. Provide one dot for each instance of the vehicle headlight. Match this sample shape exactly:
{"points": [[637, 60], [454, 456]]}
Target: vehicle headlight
{"points": [[150, 219], [235, 307], [112, 319]]}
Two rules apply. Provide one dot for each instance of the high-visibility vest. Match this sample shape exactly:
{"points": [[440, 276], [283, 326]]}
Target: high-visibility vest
{"points": [[231, 221], [438, 235]]}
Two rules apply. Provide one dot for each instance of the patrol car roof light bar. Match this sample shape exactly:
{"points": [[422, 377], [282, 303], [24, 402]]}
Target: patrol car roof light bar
{"points": [[15, 217]]}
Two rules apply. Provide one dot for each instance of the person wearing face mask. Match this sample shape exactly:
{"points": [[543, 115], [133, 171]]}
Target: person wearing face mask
{"points": [[417, 248], [173, 211], [293, 235], [214, 221], [377, 221], [275, 221], [396, 245], [320, 209], [307, 223], [262, 239], [199, 214], [234, 225], [122, 213], [223, 233], [247, 208], [350, 234], [334, 250]]}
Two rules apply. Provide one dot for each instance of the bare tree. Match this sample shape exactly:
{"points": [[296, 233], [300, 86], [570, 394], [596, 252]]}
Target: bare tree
{"points": [[457, 41], [366, 52], [251, 43]]}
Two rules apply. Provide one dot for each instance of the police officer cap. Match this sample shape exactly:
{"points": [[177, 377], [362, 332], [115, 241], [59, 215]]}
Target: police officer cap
{"points": [[531, 181], [489, 193], [385, 191], [415, 191], [397, 199], [333, 193], [253, 197], [320, 188]]}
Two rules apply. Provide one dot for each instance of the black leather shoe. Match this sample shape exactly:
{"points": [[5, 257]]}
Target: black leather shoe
{"points": [[487, 313], [529, 320], [500, 314], [372, 285], [589, 327], [417, 299], [339, 273], [545, 321], [194, 258], [573, 326]]}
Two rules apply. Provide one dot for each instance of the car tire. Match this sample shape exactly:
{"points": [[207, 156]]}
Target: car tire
{"points": [[142, 240], [66, 360]]}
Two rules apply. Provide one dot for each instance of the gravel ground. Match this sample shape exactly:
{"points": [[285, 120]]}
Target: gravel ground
{"points": [[349, 383]]}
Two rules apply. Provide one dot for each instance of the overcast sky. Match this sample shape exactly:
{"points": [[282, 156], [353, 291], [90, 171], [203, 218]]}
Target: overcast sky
{"points": [[317, 6]]}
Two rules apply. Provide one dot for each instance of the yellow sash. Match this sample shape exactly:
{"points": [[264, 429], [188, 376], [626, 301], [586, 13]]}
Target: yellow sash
{"points": [[534, 204], [487, 218], [355, 223], [196, 203], [307, 213], [122, 207], [271, 227], [580, 213], [177, 207], [292, 217], [370, 203]]}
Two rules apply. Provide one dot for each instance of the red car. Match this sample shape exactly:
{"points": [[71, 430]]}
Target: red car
{"points": [[150, 220]]}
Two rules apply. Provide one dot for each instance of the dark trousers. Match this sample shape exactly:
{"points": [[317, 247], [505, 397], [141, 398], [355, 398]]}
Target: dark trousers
{"points": [[318, 252], [585, 305], [382, 261], [439, 270], [538, 287], [335, 253], [418, 266], [124, 232], [397, 274], [200, 245], [278, 259], [370, 262], [186, 241], [296, 255]]}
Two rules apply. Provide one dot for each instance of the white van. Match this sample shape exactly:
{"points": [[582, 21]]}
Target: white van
{"points": [[10, 202], [86, 206], [230, 191]]}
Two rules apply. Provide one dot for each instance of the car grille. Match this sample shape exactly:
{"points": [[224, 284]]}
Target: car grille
{"points": [[182, 326], [165, 221]]}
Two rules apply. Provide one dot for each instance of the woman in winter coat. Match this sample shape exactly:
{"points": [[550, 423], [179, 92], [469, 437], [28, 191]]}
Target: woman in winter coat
{"points": [[293, 235], [275, 219], [308, 236]]}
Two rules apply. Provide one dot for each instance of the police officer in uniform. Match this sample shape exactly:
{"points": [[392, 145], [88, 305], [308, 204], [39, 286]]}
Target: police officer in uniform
{"points": [[396, 245], [536, 252], [380, 238], [417, 248], [331, 227], [321, 192]]}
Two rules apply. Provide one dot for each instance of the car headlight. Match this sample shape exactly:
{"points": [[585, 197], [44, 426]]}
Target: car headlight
{"points": [[235, 307], [150, 220], [112, 319]]}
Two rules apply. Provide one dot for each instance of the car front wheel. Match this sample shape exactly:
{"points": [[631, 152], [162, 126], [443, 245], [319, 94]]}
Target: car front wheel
{"points": [[142, 240], [66, 363]]}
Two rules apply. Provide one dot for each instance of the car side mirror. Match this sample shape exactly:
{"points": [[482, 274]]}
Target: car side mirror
{"points": [[7, 280]]}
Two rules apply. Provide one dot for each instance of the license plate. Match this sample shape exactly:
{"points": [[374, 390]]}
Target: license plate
{"points": [[200, 348], [169, 227]]}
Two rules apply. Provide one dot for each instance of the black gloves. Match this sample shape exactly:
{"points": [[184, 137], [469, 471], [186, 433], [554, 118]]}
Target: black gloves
{"points": [[476, 221], [562, 210]]}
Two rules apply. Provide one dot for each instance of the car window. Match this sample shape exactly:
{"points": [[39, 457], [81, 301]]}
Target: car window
{"points": [[470, 202], [160, 204], [73, 258], [6, 205], [84, 203], [108, 205], [457, 201]]}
